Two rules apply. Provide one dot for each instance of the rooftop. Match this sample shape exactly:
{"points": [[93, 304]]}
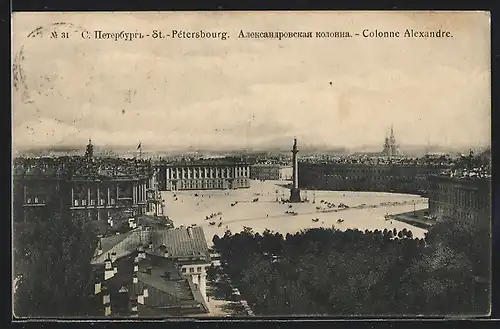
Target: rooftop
{"points": [[179, 243], [78, 168], [182, 242], [167, 289], [202, 162], [121, 223], [474, 173]]}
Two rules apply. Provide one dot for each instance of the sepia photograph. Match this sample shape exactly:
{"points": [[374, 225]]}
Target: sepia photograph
{"points": [[218, 165]]}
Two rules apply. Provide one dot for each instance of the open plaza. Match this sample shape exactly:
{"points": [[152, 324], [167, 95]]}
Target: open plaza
{"points": [[256, 207]]}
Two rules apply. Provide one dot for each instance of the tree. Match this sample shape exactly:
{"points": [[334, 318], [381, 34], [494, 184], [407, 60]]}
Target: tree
{"points": [[321, 271], [454, 271], [52, 259]]}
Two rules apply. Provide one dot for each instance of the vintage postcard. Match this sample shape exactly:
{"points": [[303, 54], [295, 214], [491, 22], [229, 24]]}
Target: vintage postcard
{"points": [[251, 164]]}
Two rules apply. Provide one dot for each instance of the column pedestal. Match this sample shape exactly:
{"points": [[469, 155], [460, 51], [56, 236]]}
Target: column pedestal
{"points": [[295, 195]]}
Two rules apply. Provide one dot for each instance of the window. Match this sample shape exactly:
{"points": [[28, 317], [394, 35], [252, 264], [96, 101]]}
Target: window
{"points": [[191, 270], [183, 270], [76, 203], [198, 269]]}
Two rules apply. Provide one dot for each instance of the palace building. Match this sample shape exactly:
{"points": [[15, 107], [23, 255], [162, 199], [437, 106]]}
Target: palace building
{"points": [[375, 177], [264, 171], [460, 197], [203, 175], [99, 189]]}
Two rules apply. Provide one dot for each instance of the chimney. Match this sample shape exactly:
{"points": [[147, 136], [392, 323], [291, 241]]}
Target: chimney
{"points": [[140, 299], [142, 253], [145, 292], [113, 257], [190, 231], [134, 311], [134, 278], [108, 269], [148, 270], [106, 300], [136, 265], [99, 248]]}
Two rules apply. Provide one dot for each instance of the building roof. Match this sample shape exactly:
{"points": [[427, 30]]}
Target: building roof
{"points": [[108, 242], [203, 162], [268, 165], [461, 179], [179, 242], [182, 242], [121, 223], [165, 292], [157, 222], [79, 168]]}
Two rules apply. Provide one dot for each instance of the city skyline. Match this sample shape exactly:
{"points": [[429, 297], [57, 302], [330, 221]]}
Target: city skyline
{"points": [[254, 94]]}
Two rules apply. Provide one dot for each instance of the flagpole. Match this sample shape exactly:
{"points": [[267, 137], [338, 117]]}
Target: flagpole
{"points": [[140, 150]]}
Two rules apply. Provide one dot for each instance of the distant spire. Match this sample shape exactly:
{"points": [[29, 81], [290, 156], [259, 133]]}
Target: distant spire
{"points": [[89, 152]]}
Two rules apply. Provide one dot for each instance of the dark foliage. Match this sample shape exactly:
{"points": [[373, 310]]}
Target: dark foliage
{"points": [[52, 261], [323, 271]]}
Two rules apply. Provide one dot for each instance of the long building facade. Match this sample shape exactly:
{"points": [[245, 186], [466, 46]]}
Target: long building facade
{"points": [[264, 171], [366, 177], [217, 175], [459, 198], [105, 198], [96, 190]]}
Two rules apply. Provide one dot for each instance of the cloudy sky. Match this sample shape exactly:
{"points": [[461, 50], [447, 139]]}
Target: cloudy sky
{"points": [[242, 93]]}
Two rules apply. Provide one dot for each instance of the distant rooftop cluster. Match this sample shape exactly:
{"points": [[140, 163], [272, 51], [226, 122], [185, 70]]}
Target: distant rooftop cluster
{"points": [[202, 161], [482, 172], [271, 163], [443, 161], [77, 167], [471, 167]]}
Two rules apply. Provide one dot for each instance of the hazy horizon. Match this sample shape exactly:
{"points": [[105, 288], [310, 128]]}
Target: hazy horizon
{"points": [[304, 149], [253, 94]]}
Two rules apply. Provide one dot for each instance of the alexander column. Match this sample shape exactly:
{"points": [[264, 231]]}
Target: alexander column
{"points": [[294, 191]]}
